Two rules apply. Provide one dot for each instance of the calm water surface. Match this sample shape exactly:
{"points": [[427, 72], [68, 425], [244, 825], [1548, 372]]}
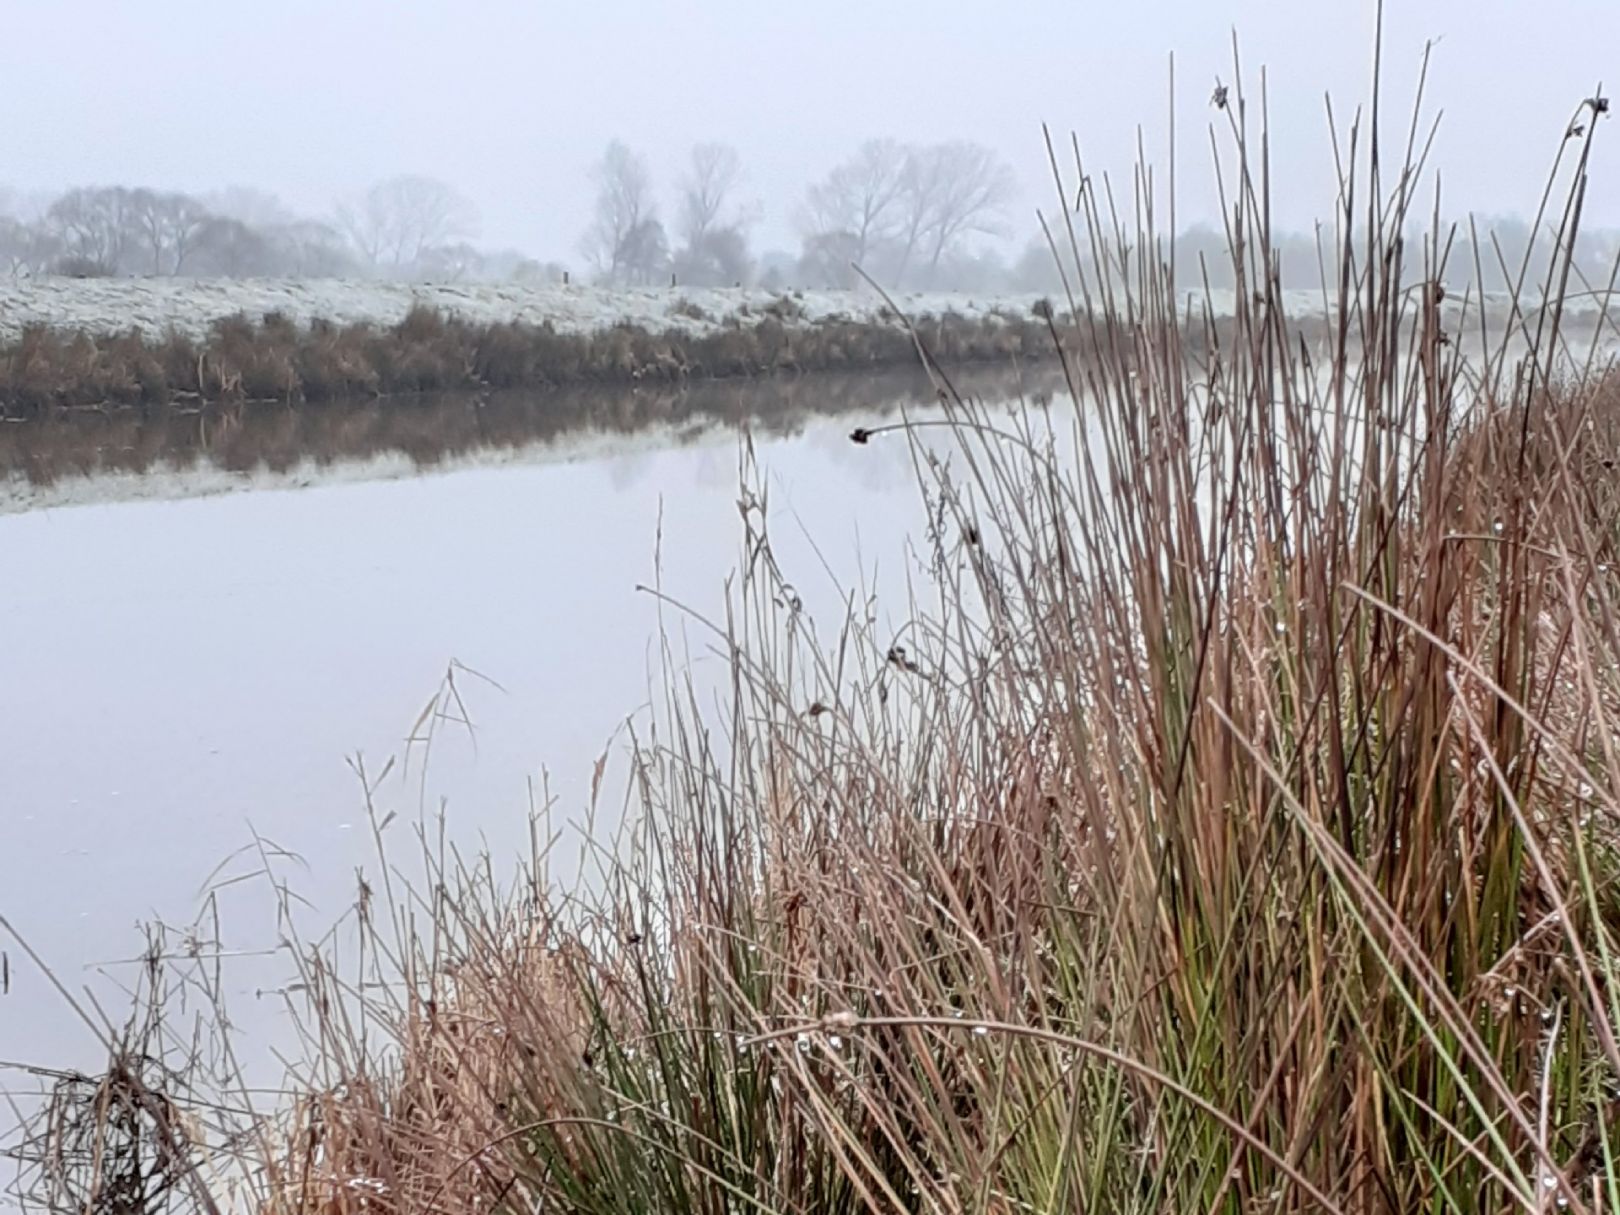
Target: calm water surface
{"points": [[181, 673]]}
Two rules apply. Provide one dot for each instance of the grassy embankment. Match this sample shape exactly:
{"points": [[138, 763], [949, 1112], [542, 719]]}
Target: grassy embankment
{"points": [[272, 358], [1235, 831]]}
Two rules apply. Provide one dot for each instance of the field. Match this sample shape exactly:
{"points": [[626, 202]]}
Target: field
{"points": [[1234, 827], [190, 307]]}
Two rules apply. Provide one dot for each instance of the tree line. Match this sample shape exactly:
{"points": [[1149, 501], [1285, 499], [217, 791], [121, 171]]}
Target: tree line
{"points": [[405, 227], [907, 214], [910, 215]]}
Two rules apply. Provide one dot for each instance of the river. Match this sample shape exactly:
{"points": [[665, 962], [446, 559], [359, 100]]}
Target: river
{"points": [[188, 671]]}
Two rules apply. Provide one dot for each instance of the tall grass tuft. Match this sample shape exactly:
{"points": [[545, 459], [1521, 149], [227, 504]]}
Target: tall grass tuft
{"points": [[1233, 829]]}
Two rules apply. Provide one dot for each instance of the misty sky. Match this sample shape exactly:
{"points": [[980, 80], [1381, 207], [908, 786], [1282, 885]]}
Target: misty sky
{"points": [[512, 100]]}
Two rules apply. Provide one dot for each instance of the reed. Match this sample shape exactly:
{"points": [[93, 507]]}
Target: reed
{"points": [[1233, 828]]}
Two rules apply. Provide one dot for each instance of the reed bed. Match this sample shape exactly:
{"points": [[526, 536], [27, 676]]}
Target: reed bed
{"points": [[273, 358], [1233, 827]]}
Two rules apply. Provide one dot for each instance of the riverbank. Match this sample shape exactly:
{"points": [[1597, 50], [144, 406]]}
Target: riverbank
{"points": [[136, 343], [113, 344], [192, 307]]}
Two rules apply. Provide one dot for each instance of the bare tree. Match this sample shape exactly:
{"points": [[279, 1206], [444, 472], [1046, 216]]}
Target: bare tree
{"points": [[706, 190], [828, 259], [719, 258], [644, 254], [399, 220], [165, 226], [113, 230], [26, 205], [455, 263], [950, 191], [229, 248], [625, 234], [713, 231], [26, 249], [856, 210], [93, 226], [891, 208], [309, 248]]}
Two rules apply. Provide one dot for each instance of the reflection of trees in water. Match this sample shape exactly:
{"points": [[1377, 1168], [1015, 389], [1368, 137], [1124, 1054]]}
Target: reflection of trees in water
{"points": [[432, 428]]}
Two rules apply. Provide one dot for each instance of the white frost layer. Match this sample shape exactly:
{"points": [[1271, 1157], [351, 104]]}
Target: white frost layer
{"points": [[190, 306]]}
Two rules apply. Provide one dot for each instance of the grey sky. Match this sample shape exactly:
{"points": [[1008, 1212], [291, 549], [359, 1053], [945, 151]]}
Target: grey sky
{"points": [[513, 99]]}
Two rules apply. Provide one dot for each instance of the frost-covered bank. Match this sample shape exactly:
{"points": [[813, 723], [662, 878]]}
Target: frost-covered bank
{"points": [[192, 306], [67, 343]]}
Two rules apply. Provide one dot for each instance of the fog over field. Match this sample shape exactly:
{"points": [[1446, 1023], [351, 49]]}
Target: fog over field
{"points": [[723, 143]]}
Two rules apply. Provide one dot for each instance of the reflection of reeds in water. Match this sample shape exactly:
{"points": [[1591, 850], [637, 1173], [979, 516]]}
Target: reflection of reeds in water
{"points": [[430, 427], [274, 359], [120, 1140]]}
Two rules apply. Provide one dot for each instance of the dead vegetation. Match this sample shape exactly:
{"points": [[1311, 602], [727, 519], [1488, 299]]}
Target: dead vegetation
{"points": [[136, 1137], [271, 358]]}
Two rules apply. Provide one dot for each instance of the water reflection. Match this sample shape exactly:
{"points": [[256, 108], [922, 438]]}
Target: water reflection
{"points": [[184, 672], [435, 430]]}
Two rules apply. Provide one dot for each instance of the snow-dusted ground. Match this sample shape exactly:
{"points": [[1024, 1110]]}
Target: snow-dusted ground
{"points": [[190, 306]]}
